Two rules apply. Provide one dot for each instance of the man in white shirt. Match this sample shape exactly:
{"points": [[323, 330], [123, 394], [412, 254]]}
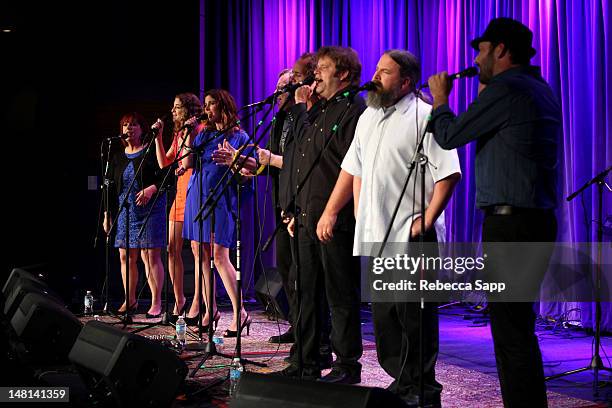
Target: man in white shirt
{"points": [[374, 170]]}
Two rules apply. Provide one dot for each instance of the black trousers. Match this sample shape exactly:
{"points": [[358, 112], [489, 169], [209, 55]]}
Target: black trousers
{"points": [[517, 352], [330, 272], [396, 328]]}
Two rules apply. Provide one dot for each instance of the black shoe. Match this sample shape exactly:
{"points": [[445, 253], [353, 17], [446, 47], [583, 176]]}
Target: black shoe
{"points": [[339, 376], [152, 316], [173, 318], [412, 401], [215, 322], [131, 310], [292, 372], [234, 333], [286, 337]]}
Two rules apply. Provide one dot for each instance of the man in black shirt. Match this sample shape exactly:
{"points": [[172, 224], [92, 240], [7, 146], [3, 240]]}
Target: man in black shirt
{"points": [[323, 136], [515, 122], [280, 156]]}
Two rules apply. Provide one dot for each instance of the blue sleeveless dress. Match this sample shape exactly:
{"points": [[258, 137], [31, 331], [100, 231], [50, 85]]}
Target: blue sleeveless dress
{"points": [[200, 184], [154, 234]]}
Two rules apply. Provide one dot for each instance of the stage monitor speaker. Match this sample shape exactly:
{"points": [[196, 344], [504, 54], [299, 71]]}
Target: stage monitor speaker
{"points": [[20, 288], [124, 369], [16, 275], [260, 390], [45, 329], [270, 293]]}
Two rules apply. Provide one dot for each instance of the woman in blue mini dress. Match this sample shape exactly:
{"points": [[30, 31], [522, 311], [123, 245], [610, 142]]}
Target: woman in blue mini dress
{"points": [[122, 168], [220, 107]]}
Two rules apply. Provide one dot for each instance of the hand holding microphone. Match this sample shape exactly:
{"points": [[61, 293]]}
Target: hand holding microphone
{"points": [[304, 92], [158, 128], [193, 121], [440, 85]]}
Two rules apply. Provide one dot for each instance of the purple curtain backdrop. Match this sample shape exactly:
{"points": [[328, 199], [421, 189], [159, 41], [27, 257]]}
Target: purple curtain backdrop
{"points": [[244, 44]]}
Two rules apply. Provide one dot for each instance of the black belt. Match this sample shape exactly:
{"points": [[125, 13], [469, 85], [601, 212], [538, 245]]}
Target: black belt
{"points": [[511, 210]]}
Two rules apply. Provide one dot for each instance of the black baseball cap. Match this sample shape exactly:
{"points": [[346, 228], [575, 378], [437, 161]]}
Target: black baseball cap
{"points": [[516, 36]]}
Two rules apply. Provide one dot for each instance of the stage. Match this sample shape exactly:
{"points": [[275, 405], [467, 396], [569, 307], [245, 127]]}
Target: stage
{"points": [[466, 365]]}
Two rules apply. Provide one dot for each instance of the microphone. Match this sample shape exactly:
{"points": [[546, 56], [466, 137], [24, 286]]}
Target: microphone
{"points": [[156, 126], [368, 86], [292, 87], [466, 73], [198, 118], [287, 88], [122, 136]]}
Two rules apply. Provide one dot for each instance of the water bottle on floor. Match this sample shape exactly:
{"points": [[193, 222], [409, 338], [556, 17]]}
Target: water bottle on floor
{"points": [[181, 329], [235, 372], [88, 311], [218, 343]]}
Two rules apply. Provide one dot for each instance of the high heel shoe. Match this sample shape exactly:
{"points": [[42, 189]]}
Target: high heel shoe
{"points": [[183, 309], [131, 310], [193, 321], [173, 318], [234, 333], [153, 316], [215, 323]]}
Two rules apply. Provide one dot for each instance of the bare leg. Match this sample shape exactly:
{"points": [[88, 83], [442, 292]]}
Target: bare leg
{"points": [[208, 284], [175, 263], [155, 276], [133, 273], [204, 265], [228, 276]]}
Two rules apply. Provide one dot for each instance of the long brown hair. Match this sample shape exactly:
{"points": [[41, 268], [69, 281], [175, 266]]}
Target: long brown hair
{"points": [[226, 104], [191, 103]]}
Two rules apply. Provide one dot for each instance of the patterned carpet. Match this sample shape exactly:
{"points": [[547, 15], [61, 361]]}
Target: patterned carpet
{"points": [[462, 387]]}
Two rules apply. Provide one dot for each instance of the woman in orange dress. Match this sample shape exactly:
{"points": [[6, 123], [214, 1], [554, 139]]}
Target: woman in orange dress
{"points": [[186, 107]]}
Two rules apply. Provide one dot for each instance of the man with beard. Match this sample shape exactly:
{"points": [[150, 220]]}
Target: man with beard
{"points": [[329, 270], [374, 170], [516, 123]]}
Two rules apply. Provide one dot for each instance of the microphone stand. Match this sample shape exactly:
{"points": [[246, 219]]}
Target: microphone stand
{"points": [[105, 209], [163, 186], [596, 363], [210, 348], [418, 159]]}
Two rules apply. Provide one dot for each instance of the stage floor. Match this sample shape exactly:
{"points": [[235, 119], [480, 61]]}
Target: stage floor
{"points": [[466, 366]]}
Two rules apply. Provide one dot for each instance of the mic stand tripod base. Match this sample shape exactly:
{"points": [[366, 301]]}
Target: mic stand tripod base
{"points": [[210, 350], [164, 319]]}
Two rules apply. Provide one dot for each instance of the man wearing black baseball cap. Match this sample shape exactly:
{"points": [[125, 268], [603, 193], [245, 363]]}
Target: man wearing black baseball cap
{"points": [[516, 122]]}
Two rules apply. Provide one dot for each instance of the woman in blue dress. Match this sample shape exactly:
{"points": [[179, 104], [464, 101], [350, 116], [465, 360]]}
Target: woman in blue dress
{"points": [[220, 107], [122, 167]]}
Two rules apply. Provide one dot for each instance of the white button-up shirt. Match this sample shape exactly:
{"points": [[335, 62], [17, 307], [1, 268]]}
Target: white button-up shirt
{"points": [[382, 150]]}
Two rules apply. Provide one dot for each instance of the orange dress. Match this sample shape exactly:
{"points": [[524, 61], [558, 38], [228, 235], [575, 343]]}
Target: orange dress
{"points": [[177, 212]]}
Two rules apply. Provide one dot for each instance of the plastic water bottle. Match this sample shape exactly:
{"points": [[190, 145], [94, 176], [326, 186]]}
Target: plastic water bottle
{"points": [[181, 329], [88, 304], [235, 372], [218, 343]]}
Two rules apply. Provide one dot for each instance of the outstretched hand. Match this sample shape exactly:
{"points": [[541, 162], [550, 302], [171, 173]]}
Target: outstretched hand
{"points": [[224, 155]]}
